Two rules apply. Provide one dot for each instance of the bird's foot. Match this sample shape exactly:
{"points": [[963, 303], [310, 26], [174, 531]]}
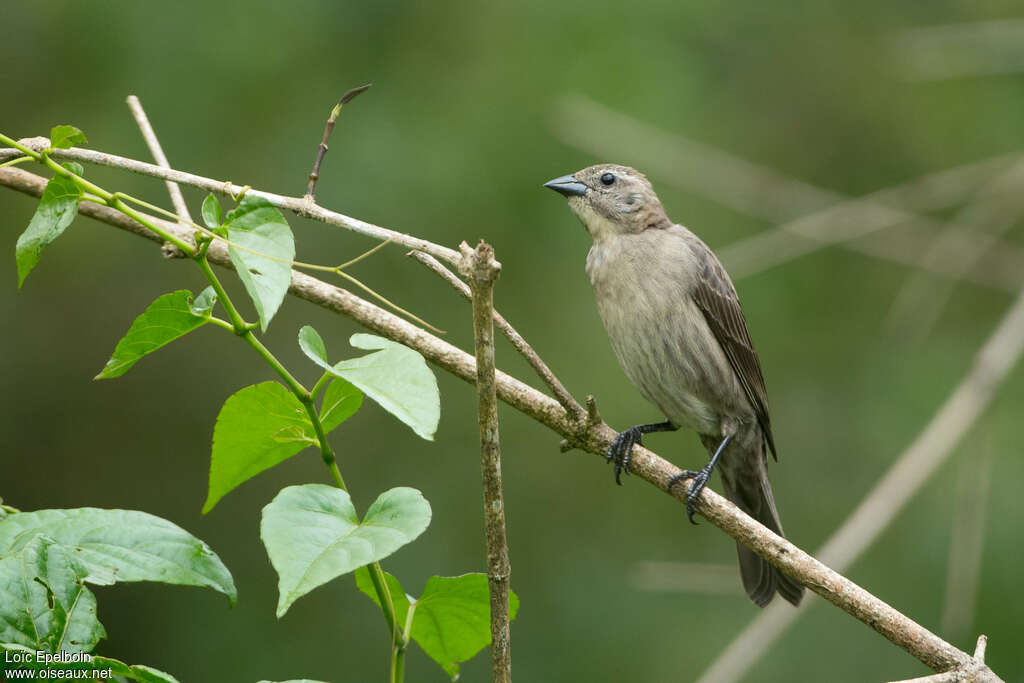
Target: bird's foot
{"points": [[700, 480], [621, 450]]}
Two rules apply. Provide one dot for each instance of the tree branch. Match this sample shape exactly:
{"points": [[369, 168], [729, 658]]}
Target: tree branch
{"points": [[890, 495], [518, 342], [321, 149], [591, 435], [482, 271], [297, 205], [149, 135], [957, 675]]}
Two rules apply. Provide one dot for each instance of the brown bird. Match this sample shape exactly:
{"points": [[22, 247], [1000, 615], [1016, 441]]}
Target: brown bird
{"points": [[675, 323]]}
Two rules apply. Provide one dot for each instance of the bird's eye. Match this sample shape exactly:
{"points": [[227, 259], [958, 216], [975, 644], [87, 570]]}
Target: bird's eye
{"points": [[608, 179]]}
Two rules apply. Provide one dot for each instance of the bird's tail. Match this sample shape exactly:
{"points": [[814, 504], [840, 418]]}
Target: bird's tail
{"points": [[746, 485]]}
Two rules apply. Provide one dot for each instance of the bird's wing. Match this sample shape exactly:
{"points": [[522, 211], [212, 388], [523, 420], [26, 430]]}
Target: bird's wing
{"points": [[716, 298]]}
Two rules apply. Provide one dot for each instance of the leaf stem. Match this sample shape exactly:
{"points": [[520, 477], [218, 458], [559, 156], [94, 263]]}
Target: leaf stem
{"points": [[320, 384], [398, 639], [10, 142], [115, 202], [15, 162]]}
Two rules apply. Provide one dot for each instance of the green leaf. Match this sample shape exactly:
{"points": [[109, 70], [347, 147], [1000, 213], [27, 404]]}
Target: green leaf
{"points": [[341, 401], [203, 304], [57, 208], [452, 619], [62, 137], [258, 427], [396, 377], [312, 534], [296, 680], [260, 231], [169, 317], [122, 545], [312, 344], [263, 425], [399, 598], [23, 658], [135, 672], [212, 213], [44, 603]]}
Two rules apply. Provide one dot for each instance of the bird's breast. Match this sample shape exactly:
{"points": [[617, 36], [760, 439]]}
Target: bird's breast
{"points": [[644, 297]]}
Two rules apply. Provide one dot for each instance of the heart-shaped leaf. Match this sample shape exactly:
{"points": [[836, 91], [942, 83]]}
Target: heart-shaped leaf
{"points": [[452, 619], [312, 534], [262, 250]]}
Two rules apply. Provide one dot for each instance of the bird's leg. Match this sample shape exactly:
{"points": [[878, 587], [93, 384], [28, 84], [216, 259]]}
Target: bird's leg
{"points": [[621, 450], [700, 479]]}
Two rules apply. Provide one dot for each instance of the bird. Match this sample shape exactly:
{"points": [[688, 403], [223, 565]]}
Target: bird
{"points": [[675, 323]]}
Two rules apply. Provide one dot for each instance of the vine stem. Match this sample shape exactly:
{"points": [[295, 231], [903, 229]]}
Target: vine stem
{"points": [[301, 206], [245, 330]]}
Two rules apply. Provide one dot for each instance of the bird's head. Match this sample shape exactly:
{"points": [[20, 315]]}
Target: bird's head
{"points": [[611, 200]]}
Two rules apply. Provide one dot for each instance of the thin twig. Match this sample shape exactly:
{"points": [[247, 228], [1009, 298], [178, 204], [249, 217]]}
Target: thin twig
{"points": [[366, 254], [482, 271], [646, 465], [149, 135], [321, 149], [957, 675], [890, 495], [298, 205], [518, 342]]}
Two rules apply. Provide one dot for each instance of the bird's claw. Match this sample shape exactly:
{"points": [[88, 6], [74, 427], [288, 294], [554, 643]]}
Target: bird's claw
{"points": [[621, 451], [700, 480]]}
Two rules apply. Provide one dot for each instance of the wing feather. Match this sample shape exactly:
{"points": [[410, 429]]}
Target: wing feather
{"points": [[716, 297]]}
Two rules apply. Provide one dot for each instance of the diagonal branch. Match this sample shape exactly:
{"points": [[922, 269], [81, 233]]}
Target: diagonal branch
{"points": [[932, 447], [149, 135], [594, 436], [521, 345], [297, 205]]}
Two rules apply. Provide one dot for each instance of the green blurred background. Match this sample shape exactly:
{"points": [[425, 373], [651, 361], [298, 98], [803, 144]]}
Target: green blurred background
{"points": [[474, 106]]}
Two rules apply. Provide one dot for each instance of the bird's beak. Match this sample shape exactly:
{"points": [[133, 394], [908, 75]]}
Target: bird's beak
{"points": [[567, 185]]}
